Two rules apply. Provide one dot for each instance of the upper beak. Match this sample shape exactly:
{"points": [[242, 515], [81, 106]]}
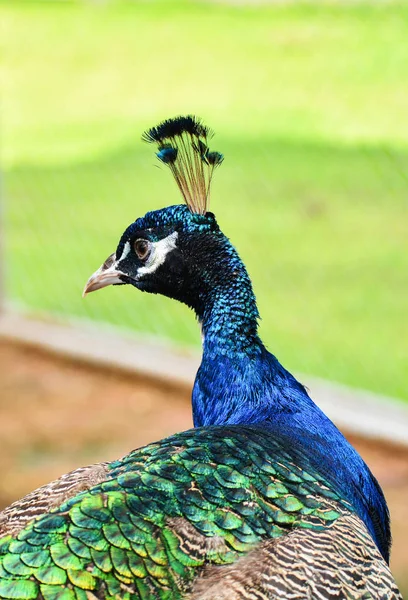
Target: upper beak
{"points": [[107, 274]]}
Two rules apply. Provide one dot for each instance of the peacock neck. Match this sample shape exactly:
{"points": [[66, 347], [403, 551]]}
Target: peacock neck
{"points": [[224, 302], [229, 321], [239, 381]]}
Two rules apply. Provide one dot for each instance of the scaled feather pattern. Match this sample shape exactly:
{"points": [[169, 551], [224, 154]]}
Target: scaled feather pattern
{"points": [[181, 518]]}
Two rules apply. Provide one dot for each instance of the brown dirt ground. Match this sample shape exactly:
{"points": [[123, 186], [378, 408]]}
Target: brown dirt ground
{"points": [[58, 414]]}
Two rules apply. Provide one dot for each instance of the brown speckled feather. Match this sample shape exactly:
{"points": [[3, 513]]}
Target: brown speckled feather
{"points": [[303, 565], [39, 502]]}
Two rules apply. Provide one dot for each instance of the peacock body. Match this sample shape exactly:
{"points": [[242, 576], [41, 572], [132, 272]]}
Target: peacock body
{"points": [[263, 499]]}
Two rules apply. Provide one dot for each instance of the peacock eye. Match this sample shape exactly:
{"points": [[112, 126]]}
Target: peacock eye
{"points": [[142, 248]]}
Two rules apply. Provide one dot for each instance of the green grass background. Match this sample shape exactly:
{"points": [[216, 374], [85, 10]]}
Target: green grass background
{"points": [[309, 102]]}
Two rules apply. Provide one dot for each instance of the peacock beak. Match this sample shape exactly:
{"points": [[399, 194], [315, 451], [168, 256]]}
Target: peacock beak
{"points": [[107, 274]]}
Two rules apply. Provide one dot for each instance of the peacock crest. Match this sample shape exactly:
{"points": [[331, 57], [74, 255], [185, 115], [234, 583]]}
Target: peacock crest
{"points": [[183, 146]]}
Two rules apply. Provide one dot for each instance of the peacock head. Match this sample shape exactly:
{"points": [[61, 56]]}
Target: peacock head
{"points": [[158, 252], [178, 251]]}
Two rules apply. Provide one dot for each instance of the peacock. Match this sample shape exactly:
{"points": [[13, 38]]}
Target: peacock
{"points": [[263, 499]]}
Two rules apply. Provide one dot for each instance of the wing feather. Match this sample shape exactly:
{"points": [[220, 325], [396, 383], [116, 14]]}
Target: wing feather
{"points": [[208, 514]]}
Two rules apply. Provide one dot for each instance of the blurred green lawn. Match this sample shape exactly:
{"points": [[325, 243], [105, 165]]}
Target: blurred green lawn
{"points": [[310, 107]]}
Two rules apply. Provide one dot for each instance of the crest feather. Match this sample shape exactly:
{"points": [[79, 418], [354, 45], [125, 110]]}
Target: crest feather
{"points": [[183, 146]]}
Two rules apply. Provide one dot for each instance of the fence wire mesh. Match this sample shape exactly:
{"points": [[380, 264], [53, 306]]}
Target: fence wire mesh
{"points": [[312, 192]]}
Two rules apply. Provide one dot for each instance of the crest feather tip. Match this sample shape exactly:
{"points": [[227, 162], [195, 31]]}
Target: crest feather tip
{"points": [[183, 146]]}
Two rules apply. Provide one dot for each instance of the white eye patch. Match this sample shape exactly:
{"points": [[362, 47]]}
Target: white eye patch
{"points": [[158, 254], [125, 252]]}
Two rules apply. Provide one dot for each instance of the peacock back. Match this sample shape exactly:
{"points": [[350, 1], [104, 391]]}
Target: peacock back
{"points": [[205, 514]]}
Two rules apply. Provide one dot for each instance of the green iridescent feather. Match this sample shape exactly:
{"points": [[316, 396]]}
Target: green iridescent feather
{"points": [[164, 512]]}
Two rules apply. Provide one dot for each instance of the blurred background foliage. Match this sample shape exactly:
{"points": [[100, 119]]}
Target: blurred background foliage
{"points": [[309, 103]]}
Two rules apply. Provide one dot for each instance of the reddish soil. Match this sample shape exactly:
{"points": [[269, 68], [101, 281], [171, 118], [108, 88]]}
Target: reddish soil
{"points": [[57, 414]]}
